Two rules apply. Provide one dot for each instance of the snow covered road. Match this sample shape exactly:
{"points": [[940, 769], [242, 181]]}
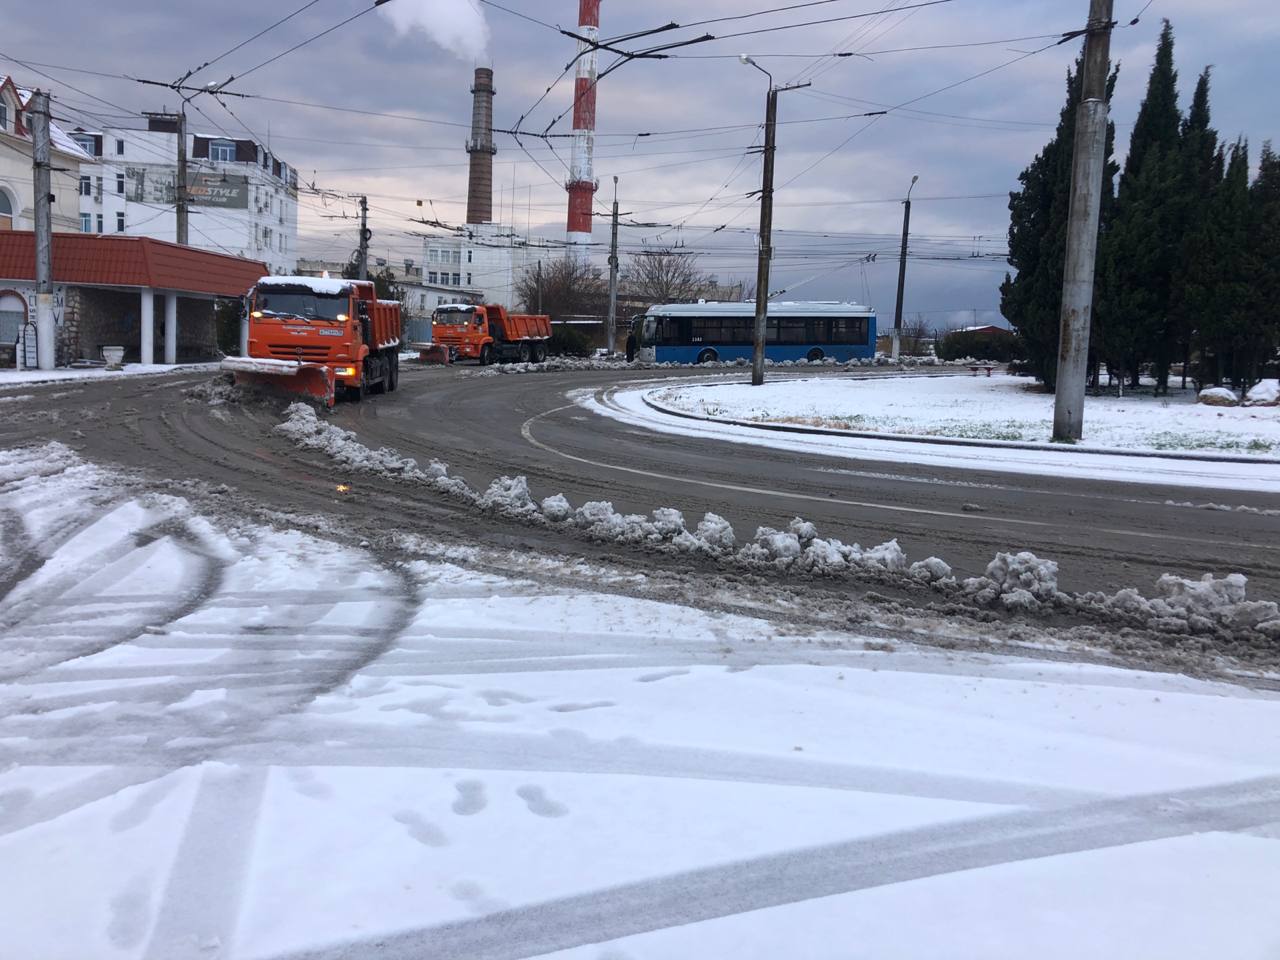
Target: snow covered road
{"points": [[220, 739]]}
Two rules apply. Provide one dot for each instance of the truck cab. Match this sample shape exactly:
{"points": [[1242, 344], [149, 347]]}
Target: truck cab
{"points": [[337, 324], [487, 333]]}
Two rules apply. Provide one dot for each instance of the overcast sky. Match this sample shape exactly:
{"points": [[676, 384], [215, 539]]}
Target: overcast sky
{"points": [[839, 179]]}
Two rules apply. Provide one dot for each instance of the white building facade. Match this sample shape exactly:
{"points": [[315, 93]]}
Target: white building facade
{"points": [[489, 258], [17, 183], [242, 199]]}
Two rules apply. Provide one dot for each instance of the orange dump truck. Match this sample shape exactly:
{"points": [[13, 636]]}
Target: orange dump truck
{"points": [[321, 338], [488, 333]]}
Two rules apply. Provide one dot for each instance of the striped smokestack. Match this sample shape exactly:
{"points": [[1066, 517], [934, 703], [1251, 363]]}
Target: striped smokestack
{"points": [[481, 149], [582, 184]]}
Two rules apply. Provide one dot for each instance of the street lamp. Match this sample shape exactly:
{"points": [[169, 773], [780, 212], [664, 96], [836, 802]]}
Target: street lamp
{"points": [[766, 221], [902, 267]]}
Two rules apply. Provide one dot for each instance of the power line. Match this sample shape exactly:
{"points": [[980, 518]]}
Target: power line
{"points": [[208, 63]]}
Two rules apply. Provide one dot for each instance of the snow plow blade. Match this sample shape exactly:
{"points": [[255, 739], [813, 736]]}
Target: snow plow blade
{"points": [[290, 377]]}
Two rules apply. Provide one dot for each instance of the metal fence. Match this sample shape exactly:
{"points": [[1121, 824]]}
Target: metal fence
{"points": [[417, 330]]}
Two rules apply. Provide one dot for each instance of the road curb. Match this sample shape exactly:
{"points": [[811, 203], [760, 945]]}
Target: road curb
{"points": [[955, 441]]}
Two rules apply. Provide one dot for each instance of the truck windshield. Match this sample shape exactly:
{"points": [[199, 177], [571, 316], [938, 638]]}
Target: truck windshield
{"points": [[453, 315], [300, 303]]}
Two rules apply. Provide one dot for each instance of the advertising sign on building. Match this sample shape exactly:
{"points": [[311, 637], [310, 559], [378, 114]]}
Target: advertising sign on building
{"points": [[229, 191], [155, 186]]}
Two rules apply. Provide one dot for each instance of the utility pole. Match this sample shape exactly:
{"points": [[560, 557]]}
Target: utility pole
{"points": [[766, 221], [611, 328], [365, 237], [182, 196], [1087, 166], [539, 288], [46, 353], [902, 267]]}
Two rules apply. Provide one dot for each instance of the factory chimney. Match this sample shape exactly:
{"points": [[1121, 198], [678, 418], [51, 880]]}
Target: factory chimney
{"points": [[582, 184], [481, 149]]}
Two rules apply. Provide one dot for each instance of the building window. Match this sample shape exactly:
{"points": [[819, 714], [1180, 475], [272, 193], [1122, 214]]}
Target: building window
{"points": [[468, 279], [222, 151], [99, 223], [4, 117], [432, 276], [457, 280], [86, 223], [120, 183], [119, 223], [98, 186], [86, 143], [86, 187], [457, 257], [119, 148], [468, 256], [6, 212]]}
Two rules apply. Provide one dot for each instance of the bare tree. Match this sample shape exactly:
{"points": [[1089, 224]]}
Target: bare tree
{"points": [[915, 338], [564, 287], [665, 275]]}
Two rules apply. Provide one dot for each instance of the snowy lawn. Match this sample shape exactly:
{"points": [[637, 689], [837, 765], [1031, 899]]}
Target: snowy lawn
{"points": [[1000, 407], [14, 379], [221, 740]]}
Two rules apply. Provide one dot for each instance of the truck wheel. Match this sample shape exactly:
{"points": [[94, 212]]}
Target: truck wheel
{"points": [[378, 370], [486, 356], [539, 352], [357, 393], [525, 352], [393, 375]]}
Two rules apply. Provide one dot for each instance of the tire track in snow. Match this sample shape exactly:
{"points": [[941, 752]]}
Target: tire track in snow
{"points": [[710, 893]]}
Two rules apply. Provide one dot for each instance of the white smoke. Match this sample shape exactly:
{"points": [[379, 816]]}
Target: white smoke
{"points": [[457, 25]]}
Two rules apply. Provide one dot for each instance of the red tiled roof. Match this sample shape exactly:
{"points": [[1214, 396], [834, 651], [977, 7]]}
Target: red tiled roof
{"points": [[91, 260]]}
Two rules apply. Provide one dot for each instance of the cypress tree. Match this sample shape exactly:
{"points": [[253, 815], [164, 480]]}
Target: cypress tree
{"points": [[1237, 339], [1201, 171], [1141, 248], [1032, 300], [1262, 264]]}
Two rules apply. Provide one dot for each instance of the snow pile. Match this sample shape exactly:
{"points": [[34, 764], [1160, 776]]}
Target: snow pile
{"points": [[509, 496], [1197, 606], [931, 570], [1018, 582], [1218, 397], [309, 432], [1014, 582], [800, 548], [1264, 393], [217, 392], [557, 508]]}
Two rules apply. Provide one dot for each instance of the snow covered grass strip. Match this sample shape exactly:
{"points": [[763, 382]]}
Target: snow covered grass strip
{"points": [[1014, 583]]}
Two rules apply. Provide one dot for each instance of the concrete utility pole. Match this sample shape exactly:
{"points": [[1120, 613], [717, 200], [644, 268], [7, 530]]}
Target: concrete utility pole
{"points": [[182, 196], [1087, 169], [365, 237], [46, 333], [611, 328], [539, 287], [766, 221], [902, 267]]}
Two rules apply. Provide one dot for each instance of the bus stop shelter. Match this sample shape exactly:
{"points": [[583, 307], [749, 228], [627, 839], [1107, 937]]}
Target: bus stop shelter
{"points": [[117, 290]]}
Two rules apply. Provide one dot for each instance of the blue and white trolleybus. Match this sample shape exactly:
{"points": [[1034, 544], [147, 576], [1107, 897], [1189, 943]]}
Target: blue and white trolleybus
{"points": [[704, 332]]}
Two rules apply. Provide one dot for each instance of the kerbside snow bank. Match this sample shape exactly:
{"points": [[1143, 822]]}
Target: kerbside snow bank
{"points": [[1018, 583], [232, 741], [25, 378], [559, 364], [998, 408]]}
